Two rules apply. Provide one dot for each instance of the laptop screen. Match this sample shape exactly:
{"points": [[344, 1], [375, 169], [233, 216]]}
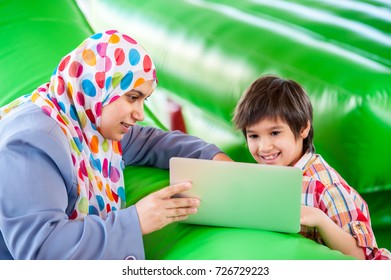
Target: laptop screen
{"points": [[244, 195]]}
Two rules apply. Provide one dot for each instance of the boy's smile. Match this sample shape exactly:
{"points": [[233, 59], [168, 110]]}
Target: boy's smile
{"points": [[269, 158], [271, 141]]}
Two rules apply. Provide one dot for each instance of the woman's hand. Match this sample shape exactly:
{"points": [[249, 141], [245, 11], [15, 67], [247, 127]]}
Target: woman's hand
{"points": [[221, 156], [159, 209]]}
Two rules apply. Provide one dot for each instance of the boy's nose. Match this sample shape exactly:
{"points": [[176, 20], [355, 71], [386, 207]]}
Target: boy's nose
{"points": [[265, 145]]}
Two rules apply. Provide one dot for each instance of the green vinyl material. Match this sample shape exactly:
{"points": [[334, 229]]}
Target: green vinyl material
{"points": [[36, 35], [206, 56], [208, 52]]}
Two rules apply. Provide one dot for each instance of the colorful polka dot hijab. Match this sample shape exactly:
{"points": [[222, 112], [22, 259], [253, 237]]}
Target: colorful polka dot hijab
{"points": [[99, 71]]}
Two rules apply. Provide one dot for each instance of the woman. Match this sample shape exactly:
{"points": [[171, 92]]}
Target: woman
{"points": [[63, 149]]}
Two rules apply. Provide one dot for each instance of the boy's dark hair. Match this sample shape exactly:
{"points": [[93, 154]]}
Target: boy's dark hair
{"points": [[274, 97]]}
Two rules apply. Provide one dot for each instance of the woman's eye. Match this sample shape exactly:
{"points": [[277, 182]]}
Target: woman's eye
{"points": [[132, 98]]}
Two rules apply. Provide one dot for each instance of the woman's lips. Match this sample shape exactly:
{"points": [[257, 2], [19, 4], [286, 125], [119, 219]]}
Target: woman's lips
{"points": [[126, 126]]}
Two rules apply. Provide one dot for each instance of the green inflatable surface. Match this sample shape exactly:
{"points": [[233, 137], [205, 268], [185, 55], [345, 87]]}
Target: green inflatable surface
{"points": [[206, 53]]}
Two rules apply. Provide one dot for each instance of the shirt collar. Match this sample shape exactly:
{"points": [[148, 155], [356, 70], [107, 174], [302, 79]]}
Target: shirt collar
{"points": [[306, 160]]}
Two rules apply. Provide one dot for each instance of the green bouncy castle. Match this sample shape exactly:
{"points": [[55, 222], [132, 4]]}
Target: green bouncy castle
{"points": [[207, 52]]}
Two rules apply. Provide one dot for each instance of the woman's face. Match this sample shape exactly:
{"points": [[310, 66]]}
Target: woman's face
{"points": [[118, 116]]}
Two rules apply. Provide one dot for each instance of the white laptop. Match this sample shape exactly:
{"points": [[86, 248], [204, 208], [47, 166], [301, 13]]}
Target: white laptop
{"points": [[243, 195]]}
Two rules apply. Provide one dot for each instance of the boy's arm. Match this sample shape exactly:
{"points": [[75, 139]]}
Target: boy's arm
{"points": [[333, 236]]}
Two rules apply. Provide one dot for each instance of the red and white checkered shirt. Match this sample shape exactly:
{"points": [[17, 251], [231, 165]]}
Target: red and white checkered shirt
{"points": [[325, 189]]}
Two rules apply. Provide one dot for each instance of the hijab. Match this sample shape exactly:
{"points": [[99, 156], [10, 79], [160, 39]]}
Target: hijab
{"points": [[100, 70]]}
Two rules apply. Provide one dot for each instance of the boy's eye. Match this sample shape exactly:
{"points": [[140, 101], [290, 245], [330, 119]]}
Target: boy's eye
{"points": [[275, 133], [252, 136]]}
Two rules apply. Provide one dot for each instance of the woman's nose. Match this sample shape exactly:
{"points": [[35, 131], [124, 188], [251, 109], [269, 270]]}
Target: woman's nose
{"points": [[138, 113]]}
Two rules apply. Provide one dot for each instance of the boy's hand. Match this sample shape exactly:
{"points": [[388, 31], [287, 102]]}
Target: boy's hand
{"points": [[310, 216]]}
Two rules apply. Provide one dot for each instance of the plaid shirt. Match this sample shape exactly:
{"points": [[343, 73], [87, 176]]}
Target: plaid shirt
{"points": [[325, 189]]}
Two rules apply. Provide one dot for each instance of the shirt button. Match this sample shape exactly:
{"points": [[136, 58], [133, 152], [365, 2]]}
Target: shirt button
{"points": [[130, 258]]}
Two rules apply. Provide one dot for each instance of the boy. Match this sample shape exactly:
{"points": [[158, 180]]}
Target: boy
{"points": [[275, 116]]}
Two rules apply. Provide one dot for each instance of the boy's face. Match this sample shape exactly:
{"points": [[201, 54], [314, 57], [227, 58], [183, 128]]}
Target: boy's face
{"points": [[273, 142]]}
